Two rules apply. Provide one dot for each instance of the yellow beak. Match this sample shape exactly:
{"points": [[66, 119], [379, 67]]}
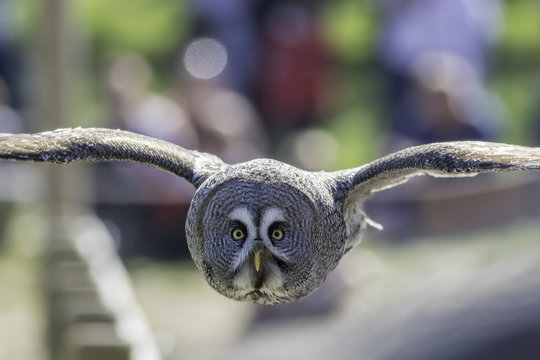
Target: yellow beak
{"points": [[257, 259]]}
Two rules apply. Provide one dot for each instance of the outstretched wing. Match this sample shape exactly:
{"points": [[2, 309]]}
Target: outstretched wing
{"points": [[95, 144], [450, 159]]}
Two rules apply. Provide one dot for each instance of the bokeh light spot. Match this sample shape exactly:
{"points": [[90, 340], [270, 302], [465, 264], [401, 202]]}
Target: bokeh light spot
{"points": [[205, 58]]}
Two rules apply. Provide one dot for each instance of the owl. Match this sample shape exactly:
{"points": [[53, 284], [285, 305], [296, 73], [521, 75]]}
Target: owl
{"points": [[263, 231]]}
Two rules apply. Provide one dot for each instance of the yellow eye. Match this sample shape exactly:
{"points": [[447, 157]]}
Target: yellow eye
{"points": [[277, 234], [238, 234]]}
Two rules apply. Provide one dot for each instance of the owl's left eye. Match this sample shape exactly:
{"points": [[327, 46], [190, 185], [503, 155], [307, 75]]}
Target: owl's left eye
{"points": [[238, 233], [276, 234]]}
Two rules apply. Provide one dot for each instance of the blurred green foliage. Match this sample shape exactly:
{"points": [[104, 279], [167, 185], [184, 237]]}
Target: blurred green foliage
{"points": [[153, 28], [516, 77], [350, 29], [519, 92], [520, 39]]}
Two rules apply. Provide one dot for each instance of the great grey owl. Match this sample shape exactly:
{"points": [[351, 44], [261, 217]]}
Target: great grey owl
{"points": [[264, 231]]}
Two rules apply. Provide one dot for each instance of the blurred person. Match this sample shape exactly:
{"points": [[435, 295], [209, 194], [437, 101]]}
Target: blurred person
{"points": [[228, 124], [434, 54], [153, 224], [293, 66], [447, 101]]}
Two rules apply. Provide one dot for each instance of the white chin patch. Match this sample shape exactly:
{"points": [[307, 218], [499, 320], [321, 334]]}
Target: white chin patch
{"points": [[246, 276], [273, 279]]}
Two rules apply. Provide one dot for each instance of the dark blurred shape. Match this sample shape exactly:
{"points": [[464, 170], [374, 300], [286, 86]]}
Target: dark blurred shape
{"points": [[9, 54], [293, 65], [434, 55], [10, 121]]}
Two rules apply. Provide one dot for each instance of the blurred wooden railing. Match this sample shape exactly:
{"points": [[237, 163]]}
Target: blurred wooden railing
{"points": [[91, 309]]}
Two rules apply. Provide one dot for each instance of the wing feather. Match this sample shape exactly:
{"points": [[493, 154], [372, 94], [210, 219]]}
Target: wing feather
{"points": [[449, 159], [98, 144]]}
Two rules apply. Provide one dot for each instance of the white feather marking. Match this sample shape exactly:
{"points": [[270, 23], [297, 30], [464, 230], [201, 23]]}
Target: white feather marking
{"points": [[245, 271], [274, 280], [243, 215], [243, 278], [270, 216]]}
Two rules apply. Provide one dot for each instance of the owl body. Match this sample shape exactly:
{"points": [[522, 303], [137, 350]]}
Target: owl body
{"points": [[260, 197]]}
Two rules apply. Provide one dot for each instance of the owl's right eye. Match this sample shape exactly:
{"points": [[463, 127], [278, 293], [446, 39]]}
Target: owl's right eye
{"points": [[238, 233]]}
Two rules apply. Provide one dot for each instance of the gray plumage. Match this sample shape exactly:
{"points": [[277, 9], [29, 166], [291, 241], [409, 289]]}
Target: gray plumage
{"points": [[264, 231]]}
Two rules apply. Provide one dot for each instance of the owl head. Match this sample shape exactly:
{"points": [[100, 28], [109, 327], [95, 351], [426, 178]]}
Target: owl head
{"points": [[263, 231]]}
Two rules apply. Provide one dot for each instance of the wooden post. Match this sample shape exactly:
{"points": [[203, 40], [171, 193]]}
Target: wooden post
{"points": [[56, 78]]}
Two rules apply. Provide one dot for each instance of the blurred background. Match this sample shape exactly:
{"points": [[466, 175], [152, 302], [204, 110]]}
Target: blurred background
{"points": [[321, 85]]}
